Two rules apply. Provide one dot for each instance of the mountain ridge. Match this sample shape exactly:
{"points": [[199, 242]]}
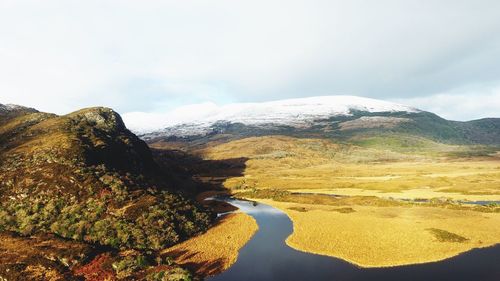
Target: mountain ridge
{"points": [[292, 112], [335, 117]]}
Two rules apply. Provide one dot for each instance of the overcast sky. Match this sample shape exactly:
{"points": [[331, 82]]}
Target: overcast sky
{"points": [[152, 56]]}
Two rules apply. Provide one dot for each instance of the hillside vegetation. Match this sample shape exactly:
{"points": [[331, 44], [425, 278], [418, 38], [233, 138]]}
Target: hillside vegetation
{"points": [[85, 177]]}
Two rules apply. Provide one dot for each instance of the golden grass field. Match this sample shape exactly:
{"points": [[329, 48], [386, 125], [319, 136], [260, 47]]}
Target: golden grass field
{"points": [[217, 249], [371, 236], [416, 193], [312, 165]]}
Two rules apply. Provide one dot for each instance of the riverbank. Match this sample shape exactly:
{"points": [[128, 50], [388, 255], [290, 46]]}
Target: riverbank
{"points": [[217, 249], [374, 236]]}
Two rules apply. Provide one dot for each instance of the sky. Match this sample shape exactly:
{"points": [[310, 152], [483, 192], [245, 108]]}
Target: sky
{"points": [[154, 56]]}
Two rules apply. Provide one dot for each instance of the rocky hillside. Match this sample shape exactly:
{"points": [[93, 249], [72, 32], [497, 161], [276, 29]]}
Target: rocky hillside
{"points": [[85, 177]]}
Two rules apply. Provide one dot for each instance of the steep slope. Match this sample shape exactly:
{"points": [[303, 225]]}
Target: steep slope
{"points": [[85, 177]]}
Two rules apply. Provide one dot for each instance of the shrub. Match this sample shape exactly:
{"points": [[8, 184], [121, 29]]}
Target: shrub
{"points": [[129, 264], [445, 236], [174, 274]]}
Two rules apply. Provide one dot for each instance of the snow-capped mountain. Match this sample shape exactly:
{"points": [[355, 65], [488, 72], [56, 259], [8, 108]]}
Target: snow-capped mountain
{"points": [[298, 113], [9, 107], [12, 108]]}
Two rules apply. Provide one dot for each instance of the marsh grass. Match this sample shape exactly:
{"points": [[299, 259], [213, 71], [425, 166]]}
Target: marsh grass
{"points": [[446, 236], [287, 163], [298, 209], [319, 199], [356, 200], [217, 249], [375, 236], [345, 210]]}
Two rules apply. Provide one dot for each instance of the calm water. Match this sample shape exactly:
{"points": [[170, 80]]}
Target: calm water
{"points": [[267, 257]]}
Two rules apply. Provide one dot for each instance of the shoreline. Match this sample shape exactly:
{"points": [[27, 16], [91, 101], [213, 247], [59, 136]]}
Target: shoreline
{"points": [[296, 241], [217, 249]]}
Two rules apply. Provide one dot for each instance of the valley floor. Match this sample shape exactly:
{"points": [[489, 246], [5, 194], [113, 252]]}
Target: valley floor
{"points": [[379, 219], [375, 236]]}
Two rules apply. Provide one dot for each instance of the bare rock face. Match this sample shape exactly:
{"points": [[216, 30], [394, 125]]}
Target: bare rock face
{"points": [[106, 140], [100, 117]]}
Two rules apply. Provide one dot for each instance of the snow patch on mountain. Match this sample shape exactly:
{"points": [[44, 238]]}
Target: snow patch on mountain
{"points": [[8, 107], [197, 119], [12, 107]]}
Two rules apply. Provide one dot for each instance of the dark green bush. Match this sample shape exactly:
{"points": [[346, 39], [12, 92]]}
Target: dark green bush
{"points": [[162, 224]]}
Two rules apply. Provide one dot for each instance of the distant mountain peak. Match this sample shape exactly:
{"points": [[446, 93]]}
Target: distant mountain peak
{"points": [[14, 107], [298, 112]]}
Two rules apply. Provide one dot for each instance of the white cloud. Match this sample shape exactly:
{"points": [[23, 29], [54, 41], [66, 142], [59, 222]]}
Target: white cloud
{"points": [[147, 122], [155, 55], [461, 104]]}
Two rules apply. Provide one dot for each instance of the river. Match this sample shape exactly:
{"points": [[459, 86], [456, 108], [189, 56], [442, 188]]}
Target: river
{"points": [[267, 257]]}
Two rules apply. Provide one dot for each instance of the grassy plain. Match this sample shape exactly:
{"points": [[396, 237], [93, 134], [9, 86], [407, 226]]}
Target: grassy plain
{"points": [[373, 236], [370, 228], [217, 249], [321, 166]]}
